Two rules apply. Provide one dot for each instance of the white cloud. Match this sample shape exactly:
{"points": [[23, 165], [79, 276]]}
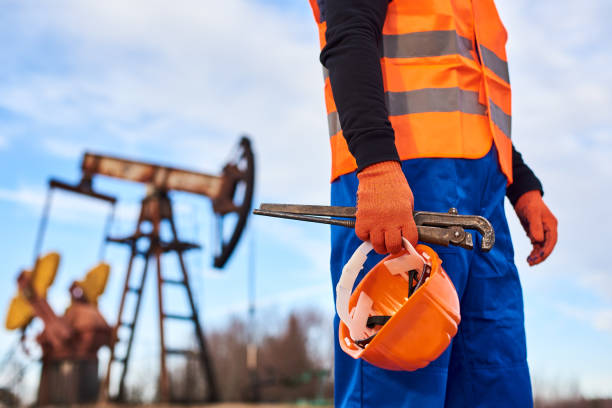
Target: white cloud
{"points": [[598, 318], [598, 281], [561, 124], [63, 148], [73, 208], [23, 196], [4, 142], [561, 88], [184, 75], [66, 207]]}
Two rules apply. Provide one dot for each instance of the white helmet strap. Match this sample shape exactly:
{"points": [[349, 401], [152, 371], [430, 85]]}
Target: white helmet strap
{"points": [[356, 319]]}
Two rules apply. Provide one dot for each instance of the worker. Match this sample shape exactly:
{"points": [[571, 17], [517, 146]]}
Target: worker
{"points": [[418, 103]]}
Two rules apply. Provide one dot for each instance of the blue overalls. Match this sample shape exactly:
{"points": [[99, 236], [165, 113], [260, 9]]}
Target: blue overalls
{"points": [[486, 364]]}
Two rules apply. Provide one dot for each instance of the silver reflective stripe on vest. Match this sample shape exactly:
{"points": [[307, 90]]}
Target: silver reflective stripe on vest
{"points": [[425, 100], [501, 119], [333, 122], [434, 100], [426, 44], [495, 64]]}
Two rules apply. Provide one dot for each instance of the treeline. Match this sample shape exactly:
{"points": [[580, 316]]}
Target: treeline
{"points": [[285, 359], [292, 362]]}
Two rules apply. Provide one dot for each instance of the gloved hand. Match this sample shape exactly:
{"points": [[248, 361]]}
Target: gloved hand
{"points": [[384, 207], [539, 223]]}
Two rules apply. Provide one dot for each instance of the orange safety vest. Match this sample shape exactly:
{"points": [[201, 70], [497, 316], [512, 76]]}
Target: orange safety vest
{"points": [[445, 75]]}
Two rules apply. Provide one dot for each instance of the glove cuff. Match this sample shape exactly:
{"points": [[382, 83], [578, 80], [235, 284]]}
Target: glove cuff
{"points": [[390, 169], [527, 198]]}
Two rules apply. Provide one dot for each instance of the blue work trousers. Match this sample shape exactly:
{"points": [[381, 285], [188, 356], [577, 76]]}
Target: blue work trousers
{"points": [[486, 363]]}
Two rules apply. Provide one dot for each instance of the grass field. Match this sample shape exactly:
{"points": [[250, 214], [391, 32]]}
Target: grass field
{"points": [[580, 403], [221, 405]]}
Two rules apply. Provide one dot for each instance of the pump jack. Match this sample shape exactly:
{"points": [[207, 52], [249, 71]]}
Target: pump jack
{"points": [[231, 192]]}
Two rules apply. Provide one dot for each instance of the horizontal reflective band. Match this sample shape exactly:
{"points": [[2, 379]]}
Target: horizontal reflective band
{"points": [[325, 73], [434, 100], [333, 122], [501, 119], [495, 64], [426, 44], [428, 100]]}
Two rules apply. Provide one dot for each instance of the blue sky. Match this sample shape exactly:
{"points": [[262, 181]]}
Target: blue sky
{"points": [[179, 84]]}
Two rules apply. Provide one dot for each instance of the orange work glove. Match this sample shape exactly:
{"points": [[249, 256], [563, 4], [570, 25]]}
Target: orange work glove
{"points": [[384, 207], [539, 223]]}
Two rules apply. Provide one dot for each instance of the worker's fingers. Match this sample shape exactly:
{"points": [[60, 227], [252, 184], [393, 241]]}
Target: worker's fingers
{"points": [[362, 232], [536, 226], [536, 254], [410, 232], [539, 223], [393, 240], [377, 238], [384, 203], [545, 249], [550, 241], [541, 250]]}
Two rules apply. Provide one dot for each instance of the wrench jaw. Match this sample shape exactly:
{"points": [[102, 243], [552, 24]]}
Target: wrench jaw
{"points": [[445, 236], [458, 224], [460, 237], [487, 232], [468, 243], [488, 240]]}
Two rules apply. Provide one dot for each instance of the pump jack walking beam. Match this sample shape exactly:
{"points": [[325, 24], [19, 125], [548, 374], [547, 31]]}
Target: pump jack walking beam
{"points": [[221, 189]]}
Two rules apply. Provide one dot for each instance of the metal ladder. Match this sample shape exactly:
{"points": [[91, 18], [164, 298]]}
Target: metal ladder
{"points": [[156, 208]]}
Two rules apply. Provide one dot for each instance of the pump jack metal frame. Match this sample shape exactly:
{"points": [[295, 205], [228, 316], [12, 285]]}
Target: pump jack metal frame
{"points": [[231, 193], [157, 208]]}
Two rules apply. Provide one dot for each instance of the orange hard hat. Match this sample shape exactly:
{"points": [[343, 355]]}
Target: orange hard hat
{"points": [[404, 312]]}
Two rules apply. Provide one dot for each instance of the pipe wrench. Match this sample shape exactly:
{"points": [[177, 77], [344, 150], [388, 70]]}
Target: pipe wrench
{"points": [[433, 227]]}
